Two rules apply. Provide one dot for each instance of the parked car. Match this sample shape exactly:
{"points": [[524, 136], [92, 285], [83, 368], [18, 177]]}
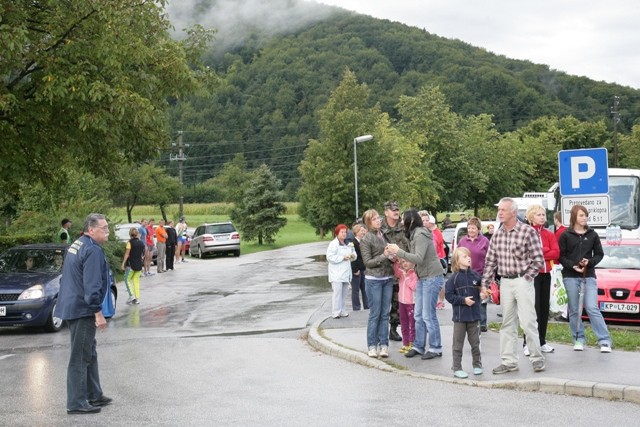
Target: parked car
{"points": [[619, 282], [220, 237], [187, 245], [29, 283], [447, 235]]}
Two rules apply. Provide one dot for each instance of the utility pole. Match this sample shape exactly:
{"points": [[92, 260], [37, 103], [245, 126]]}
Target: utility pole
{"points": [[180, 157], [616, 118]]}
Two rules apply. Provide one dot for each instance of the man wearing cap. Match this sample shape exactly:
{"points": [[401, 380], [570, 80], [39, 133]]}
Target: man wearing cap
{"points": [[393, 232]]}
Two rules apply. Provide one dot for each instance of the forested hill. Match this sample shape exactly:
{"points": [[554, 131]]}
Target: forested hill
{"points": [[270, 91]]}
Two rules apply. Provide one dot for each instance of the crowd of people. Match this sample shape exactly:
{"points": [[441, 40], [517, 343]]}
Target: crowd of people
{"points": [[169, 244], [396, 268]]}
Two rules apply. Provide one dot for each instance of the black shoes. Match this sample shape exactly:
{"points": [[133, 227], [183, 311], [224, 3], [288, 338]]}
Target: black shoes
{"points": [[483, 329], [430, 355], [102, 401], [85, 410], [412, 353], [394, 335]]}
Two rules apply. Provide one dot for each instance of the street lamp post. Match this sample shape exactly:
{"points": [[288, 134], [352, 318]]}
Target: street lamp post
{"points": [[356, 141]]}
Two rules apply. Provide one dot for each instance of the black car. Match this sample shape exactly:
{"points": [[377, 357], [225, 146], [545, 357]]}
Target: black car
{"points": [[29, 283]]}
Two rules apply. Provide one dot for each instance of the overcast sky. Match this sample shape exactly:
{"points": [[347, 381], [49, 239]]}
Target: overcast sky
{"points": [[597, 39]]}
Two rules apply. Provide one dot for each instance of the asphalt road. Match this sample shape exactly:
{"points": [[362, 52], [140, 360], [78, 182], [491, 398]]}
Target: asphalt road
{"points": [[222, 342]]}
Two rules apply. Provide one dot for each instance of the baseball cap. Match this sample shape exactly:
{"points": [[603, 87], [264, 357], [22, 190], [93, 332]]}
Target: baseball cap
{"points": [[391, 205], [432, 219]]}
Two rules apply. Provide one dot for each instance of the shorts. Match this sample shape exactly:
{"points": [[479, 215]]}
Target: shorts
{"points": [[182, 239], [150, 248]]}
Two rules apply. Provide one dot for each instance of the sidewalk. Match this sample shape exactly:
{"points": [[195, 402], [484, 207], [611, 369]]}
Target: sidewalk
{"points": [[613, 376]]}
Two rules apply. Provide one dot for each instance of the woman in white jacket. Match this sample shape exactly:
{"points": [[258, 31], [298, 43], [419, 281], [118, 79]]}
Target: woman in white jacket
{"points": [[339, 256]]}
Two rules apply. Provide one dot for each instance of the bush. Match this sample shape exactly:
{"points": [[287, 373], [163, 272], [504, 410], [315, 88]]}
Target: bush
{"points": [[7, 242]]}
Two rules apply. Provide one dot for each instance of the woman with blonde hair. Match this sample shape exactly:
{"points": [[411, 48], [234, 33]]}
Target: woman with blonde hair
{"points": [[378, 281], [537, 216]]}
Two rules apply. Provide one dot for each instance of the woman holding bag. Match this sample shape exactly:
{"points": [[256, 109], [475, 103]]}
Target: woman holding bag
{"points": [[580, 252], [339, 257]]}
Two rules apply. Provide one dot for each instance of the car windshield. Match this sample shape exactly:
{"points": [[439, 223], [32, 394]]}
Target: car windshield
{"points": [[219, 229], [32, 261], [623, 257]]}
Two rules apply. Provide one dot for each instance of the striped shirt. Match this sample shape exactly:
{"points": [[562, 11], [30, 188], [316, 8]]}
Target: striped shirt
{"points": [[515, 252]]}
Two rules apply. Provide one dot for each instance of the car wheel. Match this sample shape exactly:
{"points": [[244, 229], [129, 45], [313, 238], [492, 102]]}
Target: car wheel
{"points": [[236, 253], [200, 254], [54, 324]]}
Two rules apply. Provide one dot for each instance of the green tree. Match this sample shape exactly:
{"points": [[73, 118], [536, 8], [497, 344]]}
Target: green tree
{"points": [[86, 83], [629, 149], [257, 214], [232, 179], [133, 185], [389, 166]]}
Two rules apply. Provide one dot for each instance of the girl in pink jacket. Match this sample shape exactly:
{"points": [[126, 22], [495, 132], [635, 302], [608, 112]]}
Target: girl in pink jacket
{"points": [[407, 280]]}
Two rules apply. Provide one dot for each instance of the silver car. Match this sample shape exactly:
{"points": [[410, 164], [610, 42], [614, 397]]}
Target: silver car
{"points": [[220, 237]]}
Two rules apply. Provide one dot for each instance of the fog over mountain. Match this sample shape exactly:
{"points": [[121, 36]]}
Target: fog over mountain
{"points": [[237, 20]]}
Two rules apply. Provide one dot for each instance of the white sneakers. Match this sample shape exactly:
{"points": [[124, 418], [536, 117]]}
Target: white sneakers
{"points": [[547, 348], [605, 348], [384, 351], [543, 348], [578, 346], [372, 352]]}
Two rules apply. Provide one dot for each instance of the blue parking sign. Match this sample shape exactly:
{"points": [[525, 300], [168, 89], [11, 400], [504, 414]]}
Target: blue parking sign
{"points": [[584, 171]]}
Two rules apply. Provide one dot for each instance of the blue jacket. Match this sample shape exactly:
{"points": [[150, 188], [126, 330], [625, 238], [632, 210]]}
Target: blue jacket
{"points": [[84, 280], [464, 283]]}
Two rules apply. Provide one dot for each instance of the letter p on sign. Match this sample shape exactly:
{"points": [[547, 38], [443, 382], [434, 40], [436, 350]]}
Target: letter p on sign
{"points": [[583, 172], [582, 168]]}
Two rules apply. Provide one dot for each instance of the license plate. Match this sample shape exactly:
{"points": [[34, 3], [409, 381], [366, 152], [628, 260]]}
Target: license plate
{"points": [[3, 310], [223, 237], [619, 307]]}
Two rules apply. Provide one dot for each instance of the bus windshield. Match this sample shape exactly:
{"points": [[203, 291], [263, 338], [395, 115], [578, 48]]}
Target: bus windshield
{"points": [[623, 193]]}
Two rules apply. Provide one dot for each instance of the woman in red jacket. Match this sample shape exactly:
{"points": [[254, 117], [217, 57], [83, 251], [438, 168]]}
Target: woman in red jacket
{"points": [[537, 216]]}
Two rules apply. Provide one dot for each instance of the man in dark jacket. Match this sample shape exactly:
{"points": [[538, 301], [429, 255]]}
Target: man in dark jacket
{"points": [[83, 286], [393, 232], [172, 241]]}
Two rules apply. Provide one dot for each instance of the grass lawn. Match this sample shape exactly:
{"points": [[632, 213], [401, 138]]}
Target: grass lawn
{"points": [[623, 338]]}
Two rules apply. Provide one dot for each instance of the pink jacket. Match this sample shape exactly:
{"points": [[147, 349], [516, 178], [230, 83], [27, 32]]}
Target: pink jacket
{"points": [[407, 282]]}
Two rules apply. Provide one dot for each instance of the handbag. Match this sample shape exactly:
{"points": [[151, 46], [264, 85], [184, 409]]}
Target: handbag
{"points": [[495, 293], [108, 308], [558, 298]]}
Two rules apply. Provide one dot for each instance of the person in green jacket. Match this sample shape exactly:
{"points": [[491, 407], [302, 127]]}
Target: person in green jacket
{"points": [[64, 236]]}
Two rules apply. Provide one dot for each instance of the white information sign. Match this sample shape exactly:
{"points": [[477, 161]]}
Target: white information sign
{"points": [[598, 207]]}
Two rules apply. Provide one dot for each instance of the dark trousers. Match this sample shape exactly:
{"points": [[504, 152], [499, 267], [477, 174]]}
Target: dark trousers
{"points": [[83, 380], [394, 315], [407, 323], [542, 286], [357, 288], [170, 255], [472, 331]]}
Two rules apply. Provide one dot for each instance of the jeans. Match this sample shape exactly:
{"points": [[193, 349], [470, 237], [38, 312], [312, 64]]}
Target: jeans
{"points": [[357, 286], [83, 381], [596, 320], [425, 314], [379, 296], [162, 247]]}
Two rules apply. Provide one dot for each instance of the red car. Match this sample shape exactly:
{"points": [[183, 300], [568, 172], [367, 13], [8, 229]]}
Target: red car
{"points": [[619, 282]]}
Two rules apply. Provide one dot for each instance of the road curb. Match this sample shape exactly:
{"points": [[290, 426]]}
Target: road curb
{"points": [[614, 392]]}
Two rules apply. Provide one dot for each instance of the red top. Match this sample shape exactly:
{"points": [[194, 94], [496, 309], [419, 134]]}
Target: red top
{"points": [[438, 241], [550, 248]]}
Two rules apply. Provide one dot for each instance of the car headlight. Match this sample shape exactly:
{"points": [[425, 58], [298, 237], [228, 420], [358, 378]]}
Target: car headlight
{"points": [[33, 292]]}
